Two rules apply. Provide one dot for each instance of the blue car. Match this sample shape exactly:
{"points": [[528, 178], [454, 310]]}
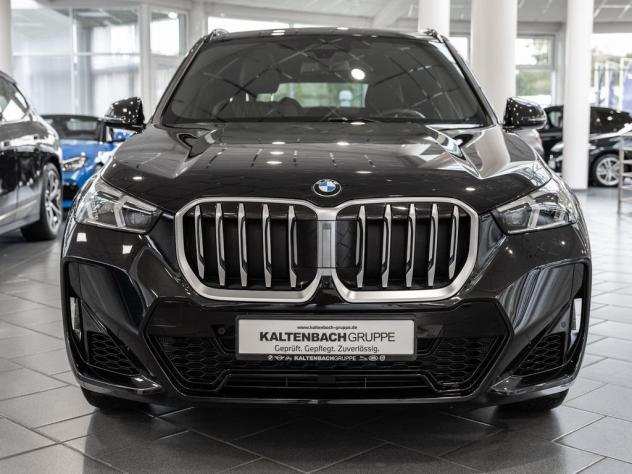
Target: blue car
{"points": [[87, 145]]}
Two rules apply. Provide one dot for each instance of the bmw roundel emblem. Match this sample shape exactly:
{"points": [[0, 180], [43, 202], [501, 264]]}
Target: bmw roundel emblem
{"points": [[327, 187]]}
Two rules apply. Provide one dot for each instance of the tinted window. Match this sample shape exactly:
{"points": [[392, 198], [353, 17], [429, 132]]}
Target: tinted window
{"points": [[316, 78], [76, 128], [555, 118], [13, 106], [608, 120], [620, 120]]}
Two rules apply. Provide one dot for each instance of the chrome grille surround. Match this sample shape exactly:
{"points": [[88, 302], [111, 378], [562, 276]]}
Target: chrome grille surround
{"points": [[326, 218]]}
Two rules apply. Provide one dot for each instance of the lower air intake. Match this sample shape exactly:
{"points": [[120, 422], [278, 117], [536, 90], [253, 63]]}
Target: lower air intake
{"points": [[547, 355], [443, 366], [105, 354]]}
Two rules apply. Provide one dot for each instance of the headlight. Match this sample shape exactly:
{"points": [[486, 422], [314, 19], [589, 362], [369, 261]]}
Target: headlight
{"points": [[105, 206], [75, 163], [550, 206]]}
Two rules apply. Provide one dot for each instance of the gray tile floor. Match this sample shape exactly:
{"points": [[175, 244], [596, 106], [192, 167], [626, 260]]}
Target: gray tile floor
{"points": [[46, 426]]}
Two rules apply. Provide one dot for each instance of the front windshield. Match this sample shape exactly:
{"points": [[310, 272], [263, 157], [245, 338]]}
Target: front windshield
{"points": [[324, 78], [74, 127]]}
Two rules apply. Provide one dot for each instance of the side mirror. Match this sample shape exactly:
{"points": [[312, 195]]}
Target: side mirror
{"points": [[522, 114], [126, 114]]}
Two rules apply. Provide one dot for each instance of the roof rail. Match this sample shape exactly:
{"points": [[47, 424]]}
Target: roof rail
{"points": [[217, 32], [432, 32]]}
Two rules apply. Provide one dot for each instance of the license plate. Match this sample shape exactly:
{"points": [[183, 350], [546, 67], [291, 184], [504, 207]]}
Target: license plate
{"points": [[342, 340]]}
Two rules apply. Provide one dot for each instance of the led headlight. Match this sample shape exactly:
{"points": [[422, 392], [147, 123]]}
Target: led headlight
{"points": [[74, 163], [550, 206], [104, 206]]}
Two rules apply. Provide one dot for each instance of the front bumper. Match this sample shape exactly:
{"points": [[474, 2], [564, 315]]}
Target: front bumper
{"points": [[515, 330]]}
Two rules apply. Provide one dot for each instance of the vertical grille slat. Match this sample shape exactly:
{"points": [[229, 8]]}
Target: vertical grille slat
{"points": [[219, 239], [404, 249], [267, 250], [291, 245], [454, 242], [432, 244], [243, 245], [407, 245], [410, 244], [360, 246], [199, 241], [386, 246]]}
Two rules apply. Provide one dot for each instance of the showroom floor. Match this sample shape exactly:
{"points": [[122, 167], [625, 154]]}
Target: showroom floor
{"points": [[46, 426]]}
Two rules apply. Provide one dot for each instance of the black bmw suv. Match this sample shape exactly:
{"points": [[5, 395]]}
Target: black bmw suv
{"points": [[325, 216]]}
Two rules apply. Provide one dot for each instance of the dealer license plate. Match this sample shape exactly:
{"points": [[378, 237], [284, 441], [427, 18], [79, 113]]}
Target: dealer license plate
{"points": [[342, 340]]}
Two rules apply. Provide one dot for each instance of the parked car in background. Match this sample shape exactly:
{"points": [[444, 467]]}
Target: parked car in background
{"points": [[602, 120], [30, 168], [605, 125], [87, 145], [603, 158]]}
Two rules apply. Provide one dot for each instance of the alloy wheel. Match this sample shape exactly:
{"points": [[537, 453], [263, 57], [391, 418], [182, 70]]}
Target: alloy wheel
{"points": [[52, 200], [607, 171]]}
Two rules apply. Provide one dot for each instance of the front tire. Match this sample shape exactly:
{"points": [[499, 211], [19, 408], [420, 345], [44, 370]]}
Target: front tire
{"points": [[51, 215], [605, 171], [546, 403], [108, 402]]}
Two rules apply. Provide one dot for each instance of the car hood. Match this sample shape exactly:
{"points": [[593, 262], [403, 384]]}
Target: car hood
{"points": [[72, 148], [169, 167]]}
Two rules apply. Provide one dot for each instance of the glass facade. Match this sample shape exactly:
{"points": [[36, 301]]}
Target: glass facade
{"points": [[535, 69], [80, 60], [168, 44]]}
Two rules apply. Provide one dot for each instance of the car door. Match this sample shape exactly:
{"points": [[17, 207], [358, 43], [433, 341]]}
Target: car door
{"points": [[29, 133], [8, 160]]}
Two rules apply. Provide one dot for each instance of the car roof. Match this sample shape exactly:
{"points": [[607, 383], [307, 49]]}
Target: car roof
{"points": [[592, 107], [322, 31]]}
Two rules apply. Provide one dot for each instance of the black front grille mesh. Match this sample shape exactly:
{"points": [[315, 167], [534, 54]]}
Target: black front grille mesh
{"points": [[105, 354], [547, 355], [444, 364]]}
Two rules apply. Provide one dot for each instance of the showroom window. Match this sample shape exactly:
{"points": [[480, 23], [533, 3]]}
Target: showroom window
{"points": [[75, 60], [535, 68], [612, 70], [168, 45]]}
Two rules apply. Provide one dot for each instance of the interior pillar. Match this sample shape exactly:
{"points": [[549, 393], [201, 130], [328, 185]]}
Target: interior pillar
{"points": [[579, 27], [5, 36], [434, 15], [198, 22], [493, 58]]}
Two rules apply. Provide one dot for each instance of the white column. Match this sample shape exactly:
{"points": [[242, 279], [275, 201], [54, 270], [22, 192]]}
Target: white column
{"points": [[579, 26], [494, 26], [146, 69], [198, 22], [5, 36], [434, 15]]}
